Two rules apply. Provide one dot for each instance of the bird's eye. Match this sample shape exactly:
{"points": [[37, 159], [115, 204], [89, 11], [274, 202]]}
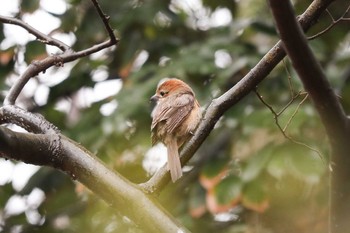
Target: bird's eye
{"points": [[162, 93]]}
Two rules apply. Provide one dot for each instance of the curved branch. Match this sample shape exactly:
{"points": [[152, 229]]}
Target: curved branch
{"points": [[39, 35], [221, 104], [49, 148], [56, 60], [31, 122], [126, 198]]}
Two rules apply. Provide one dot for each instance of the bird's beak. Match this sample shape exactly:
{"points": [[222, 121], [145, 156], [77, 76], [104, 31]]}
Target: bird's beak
{"points": [[154, 99]]}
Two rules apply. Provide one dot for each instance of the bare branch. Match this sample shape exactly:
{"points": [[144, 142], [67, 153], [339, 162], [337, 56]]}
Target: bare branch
{"points": [[283, 130], [291, 88], [68, 54], [295, 112], [274, 113], [33, 69], [39, 35], [105, 18], [292, 99], [334, 22]]}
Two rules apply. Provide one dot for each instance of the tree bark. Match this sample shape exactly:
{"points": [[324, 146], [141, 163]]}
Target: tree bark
{"points": [[57, 151], [328, 107]]}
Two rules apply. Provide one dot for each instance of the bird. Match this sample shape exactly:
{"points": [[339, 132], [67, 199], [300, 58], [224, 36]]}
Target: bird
{"points": [[174, 119]]}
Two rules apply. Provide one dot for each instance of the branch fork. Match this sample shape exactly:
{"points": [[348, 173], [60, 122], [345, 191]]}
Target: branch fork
{"points": [[54, 60]]}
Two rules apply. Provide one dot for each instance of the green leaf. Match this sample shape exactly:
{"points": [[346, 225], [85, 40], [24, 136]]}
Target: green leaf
{"points": [[254, 196], [213, 172], [69, 20], [6, 191], [264, 28], [307, 165], [2, 36], [297, 161], [35, 50], [30, 6], [197, 205], [46, 179], [228, 190], [14, 220], [231, 5], [7, 62], [214, 167], [277, 166], [256, 164]]}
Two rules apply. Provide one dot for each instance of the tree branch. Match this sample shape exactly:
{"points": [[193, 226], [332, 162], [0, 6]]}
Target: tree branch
{"points": [[328, 107], [312, 76], [105, 18], [39, 35], [334, 22], [47, 147], [35, 123], [284, 129], [68, 54], [81, 165], [220, 105]]}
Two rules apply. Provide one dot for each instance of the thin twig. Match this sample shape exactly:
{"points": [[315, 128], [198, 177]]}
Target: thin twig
{"points": [[283, 130], [334, 22], [275, 114], [292, 99], [68, 54], [39, 35], [291, 88], [295, 112], [105, 18]]}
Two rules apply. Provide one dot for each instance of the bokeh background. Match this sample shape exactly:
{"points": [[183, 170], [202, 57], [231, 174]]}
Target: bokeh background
{"points": [[246, 177]]}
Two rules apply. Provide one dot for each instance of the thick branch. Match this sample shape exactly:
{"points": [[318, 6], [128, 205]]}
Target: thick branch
{"points": [[35, 123], [81, 165], [25, 147], [309, 70], [328, 107], [247, 84], [49, 148]]}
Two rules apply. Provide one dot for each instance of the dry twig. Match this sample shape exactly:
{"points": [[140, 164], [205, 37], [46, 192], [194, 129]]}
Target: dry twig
{"points": [[284, 129], [343, 18], [68, 54]]}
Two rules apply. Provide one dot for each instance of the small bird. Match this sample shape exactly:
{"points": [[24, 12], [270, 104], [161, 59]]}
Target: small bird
{"points": [[174, 119]]}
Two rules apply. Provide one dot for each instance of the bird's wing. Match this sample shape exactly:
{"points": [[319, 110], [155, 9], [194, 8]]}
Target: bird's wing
{"points": [[173, 111]]}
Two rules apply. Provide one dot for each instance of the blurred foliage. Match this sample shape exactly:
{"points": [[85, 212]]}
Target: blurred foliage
{"points": [[247, 177]]}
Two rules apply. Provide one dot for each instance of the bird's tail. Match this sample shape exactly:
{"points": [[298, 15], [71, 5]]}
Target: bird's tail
{"points": [[174, 163]]}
